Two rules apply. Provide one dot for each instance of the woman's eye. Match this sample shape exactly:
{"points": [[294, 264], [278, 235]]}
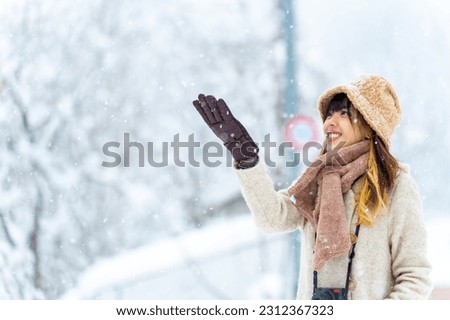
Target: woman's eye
{"points": [[344, 113]]}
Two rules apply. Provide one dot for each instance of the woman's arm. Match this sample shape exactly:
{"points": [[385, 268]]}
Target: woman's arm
{"points": [[273, 211], [408, 241]]}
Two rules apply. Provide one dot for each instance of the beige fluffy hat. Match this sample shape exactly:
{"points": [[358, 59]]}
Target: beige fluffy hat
{"points": [[374, 97]]}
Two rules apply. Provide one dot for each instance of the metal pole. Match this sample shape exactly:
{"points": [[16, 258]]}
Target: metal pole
{"points": [[291, 95], [291, 108]]}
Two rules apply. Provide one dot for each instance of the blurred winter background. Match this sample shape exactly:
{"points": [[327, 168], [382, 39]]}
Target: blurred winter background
{"points": [[77, 74]]}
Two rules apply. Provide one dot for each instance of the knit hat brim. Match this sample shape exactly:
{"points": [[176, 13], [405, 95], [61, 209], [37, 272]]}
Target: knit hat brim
{"points": [[374, 97]]}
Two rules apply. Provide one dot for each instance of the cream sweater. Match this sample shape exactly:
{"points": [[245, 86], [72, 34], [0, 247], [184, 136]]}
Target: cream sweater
{"points": [[390, 258]]}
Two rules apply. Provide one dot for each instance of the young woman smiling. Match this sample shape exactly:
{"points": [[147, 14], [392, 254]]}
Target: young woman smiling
{"points": [[359, 212]]}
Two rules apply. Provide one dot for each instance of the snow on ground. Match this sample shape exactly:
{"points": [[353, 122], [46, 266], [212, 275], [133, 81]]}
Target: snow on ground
{"points": [[229, 259]]}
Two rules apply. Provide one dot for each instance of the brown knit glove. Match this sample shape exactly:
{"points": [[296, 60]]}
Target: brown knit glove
{"points": [[227, 128]]}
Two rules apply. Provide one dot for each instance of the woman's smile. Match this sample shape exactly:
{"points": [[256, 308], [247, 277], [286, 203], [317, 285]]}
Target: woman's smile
{"points": [[338, 128]]}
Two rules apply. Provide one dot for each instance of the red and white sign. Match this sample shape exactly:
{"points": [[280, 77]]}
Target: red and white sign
{"points": [[300, 130]]}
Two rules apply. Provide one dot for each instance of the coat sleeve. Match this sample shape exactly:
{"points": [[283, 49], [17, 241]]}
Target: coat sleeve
{"points": [[273, 211], [408, 243]]}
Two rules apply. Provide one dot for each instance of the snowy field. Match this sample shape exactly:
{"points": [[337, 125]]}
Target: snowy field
{"points": [[220, 261]]}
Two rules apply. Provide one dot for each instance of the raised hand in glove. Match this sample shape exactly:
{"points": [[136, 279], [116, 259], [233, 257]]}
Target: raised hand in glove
{"points": [[227, 128]]}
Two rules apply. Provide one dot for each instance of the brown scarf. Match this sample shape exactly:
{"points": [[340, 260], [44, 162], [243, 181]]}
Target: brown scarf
{"points": [[319, 198]]}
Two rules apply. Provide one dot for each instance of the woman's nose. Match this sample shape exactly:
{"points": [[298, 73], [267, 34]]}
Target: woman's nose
{"points": [[332, 120]]}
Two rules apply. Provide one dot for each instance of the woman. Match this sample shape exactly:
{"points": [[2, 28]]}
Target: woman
{"points": [[358, 209]]}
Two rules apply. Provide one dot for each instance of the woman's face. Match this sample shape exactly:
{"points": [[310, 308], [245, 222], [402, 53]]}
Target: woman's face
{"points": [[339, 127]]}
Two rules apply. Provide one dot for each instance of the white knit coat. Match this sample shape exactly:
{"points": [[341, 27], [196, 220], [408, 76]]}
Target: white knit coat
{"points": [[390, 258]]}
